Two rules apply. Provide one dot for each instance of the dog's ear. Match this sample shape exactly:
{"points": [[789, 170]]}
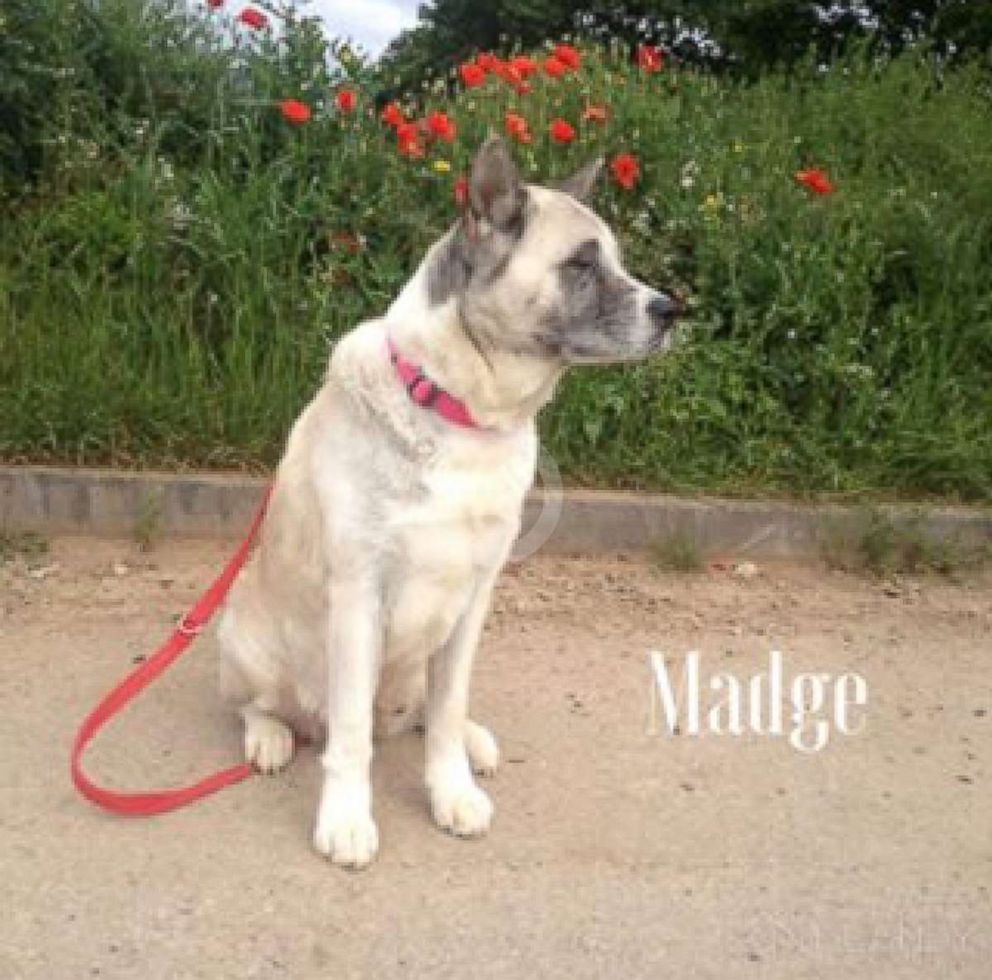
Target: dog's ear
{"points": [[495, 192], [581, 183]]}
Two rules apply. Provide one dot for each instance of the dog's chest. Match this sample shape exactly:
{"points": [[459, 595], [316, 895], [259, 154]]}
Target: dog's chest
{"points": [[454, 537]]}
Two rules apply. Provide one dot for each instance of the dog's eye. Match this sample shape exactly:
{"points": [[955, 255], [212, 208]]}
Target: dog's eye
{"points": [[583, 264], [585, 257]]}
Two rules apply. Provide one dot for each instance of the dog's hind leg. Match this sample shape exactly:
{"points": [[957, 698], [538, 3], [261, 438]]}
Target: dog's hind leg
{"points": [[268, 740], [399, 705], [483, 752], [246, 684], [400, 708]]}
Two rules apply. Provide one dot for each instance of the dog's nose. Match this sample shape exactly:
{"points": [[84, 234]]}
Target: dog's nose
{"points": [[663, 310]]}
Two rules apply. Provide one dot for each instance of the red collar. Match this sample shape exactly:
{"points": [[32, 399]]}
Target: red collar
{"points": [[426, 393]]}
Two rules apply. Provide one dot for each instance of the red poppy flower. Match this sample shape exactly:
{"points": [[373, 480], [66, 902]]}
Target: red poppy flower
{"points": [[345, 100], [510, 73], [253, 18], [517, 127], [507, 72], [561, 131], [816, 180], [441, 126], [471, 74], [392, 115], [568, 56], [408, 140], [487, 61], [625, 170], [595, 113], [523, 66], [460, 190], [496, 66], [294, 111], [554, 67], [214, 4], [649, 57]]}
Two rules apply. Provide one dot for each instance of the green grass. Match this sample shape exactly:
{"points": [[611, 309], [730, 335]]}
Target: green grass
{"points": [[678, 552], [881, 544], [148, 524], [26, 545], [172, 275]]}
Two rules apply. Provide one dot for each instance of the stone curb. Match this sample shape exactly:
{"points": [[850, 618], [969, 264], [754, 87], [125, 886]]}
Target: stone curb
{"points": [[113, 503]]}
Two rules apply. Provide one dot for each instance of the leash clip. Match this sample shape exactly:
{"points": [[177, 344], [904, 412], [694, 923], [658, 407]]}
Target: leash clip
{"points": [[186, 628]]}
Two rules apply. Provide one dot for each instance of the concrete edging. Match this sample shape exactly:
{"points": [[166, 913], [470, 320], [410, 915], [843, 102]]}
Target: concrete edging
{"points": [[109, 502]]}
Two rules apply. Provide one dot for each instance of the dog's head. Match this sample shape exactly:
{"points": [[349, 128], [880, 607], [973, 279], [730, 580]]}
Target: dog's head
{"points": [[537, 273]]}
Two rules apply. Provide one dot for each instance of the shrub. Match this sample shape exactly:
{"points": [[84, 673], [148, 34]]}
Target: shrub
{"points": [[183, 252]]}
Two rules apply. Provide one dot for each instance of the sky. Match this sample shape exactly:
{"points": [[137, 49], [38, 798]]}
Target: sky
{"points": [[372, 24]]}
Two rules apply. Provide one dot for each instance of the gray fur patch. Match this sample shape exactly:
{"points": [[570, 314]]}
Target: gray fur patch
{"points": [[449, 271], [598, 310]]}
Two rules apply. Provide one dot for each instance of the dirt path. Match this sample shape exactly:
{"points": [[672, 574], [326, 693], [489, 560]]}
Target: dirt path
{"points": [[614, 852]]}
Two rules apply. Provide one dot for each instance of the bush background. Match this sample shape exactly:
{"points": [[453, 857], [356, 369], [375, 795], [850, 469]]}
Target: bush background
{"points": [[175, 257]]}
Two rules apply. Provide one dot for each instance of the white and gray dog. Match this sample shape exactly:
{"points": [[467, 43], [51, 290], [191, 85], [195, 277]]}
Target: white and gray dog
{"points": [[401, 490]]}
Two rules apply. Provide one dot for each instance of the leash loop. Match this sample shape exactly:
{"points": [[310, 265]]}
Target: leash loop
{"points": [[144, 804]]}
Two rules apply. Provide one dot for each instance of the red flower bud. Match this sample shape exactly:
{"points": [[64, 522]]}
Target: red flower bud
{"points": [[649, 57], [253, 18], [408, 140], [471, 74], [517, 127], [568, 56], [392, 115], [562, 131], [441, 126], [294, 111], [816, 180], [625, 170]]}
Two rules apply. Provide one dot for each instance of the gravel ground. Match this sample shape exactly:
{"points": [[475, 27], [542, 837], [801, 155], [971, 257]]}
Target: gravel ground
{"points": [[615, 850]]}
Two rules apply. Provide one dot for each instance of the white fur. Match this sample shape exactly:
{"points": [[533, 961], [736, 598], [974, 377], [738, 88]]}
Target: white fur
{"points": [[375, 567], [365, 600]]}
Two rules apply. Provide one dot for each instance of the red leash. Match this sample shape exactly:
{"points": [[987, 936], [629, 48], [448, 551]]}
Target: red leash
{"points": [[158, 801]]}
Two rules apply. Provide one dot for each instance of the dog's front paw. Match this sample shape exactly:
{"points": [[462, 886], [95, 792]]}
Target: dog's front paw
{"points": [[345, 833], [462, 808]]}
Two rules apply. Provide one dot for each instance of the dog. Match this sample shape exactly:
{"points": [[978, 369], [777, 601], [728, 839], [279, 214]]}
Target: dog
{"points": [[401, 490]]}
